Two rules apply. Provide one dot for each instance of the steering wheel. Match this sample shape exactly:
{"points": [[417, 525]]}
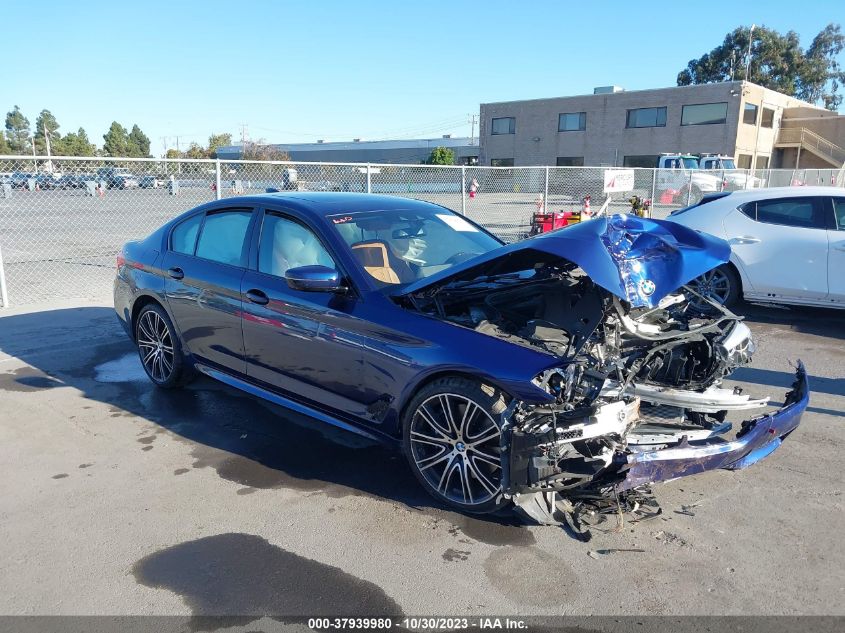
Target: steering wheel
{"points": [[459, 257]]}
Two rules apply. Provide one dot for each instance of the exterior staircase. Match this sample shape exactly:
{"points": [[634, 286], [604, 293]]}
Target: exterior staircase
{"points": [[805, 139]]}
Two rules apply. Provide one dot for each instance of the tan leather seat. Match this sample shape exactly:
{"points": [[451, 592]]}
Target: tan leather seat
{"points": [[381, 263]]}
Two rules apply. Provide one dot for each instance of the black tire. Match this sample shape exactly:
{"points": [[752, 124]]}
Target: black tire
{"points": [[164, 363], [693, 195], [721, 284], [468, 448]]}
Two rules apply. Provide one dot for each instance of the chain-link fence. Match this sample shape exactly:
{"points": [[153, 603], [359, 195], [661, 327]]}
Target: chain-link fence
{"points": [[63, 220]]}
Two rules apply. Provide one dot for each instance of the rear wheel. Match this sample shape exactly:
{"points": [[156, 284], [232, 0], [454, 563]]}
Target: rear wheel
{"points": [[159, 348], [452, 439], [691, 194], [721, 285]]}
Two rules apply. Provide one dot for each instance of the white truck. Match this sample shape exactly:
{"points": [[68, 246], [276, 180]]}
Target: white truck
{"points": [[680, 177], [725, 167]]}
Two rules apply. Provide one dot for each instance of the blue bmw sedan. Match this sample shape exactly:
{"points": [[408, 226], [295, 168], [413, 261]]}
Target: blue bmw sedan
{"points": [[576, 364]]}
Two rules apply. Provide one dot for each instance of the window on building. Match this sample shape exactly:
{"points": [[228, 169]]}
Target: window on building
{"points": [[749, 114], [743, 161], [570, 161], [768, 119], [646, 117], [504, 125], [501, 162], [640, 160], [762, 162], [572, 122], [799, 212], [222, 237], [704, 114]]}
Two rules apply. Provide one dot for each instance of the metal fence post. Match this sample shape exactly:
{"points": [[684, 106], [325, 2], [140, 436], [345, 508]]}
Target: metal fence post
{"points": [[4, 295], [546, 189], [369, 179], [689, 189], [463, 190], [217, 179], [653, 186]]}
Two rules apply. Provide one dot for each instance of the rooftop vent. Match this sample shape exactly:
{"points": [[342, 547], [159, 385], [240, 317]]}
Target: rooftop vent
{"points": [[447, 136], [356, 140], [320, 140], [607, 90]]}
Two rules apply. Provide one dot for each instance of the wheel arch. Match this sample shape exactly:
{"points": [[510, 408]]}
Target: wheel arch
{"points": [[139, 304], [733, 267], [409, 396]]}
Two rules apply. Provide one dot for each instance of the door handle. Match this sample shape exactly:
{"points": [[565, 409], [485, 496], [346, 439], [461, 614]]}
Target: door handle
{"points": [[744, 239], [176, 273], [840, 246], [257, 297]]}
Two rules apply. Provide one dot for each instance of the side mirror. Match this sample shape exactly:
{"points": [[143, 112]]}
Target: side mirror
{"points": [[314, 279]]}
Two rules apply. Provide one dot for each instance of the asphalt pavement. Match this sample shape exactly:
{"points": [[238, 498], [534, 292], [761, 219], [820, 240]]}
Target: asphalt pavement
{"points": [[120, 498]]}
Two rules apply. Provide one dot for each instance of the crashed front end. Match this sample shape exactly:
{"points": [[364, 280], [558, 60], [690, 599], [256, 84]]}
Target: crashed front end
{"points": [[637, 393]]}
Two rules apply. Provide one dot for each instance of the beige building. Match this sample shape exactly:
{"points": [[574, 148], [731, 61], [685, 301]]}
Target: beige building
{"points": [[759, 127]]}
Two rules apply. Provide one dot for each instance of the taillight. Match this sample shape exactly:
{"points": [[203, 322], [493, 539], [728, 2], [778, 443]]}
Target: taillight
{"points": [[121, 261]]}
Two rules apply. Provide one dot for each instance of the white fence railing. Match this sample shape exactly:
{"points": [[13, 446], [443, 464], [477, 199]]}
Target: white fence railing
{"points": [[63, 220]]}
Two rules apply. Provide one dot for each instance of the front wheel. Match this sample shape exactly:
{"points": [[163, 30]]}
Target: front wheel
{"points": [[452, 439], [158, 347], [720, 285]]}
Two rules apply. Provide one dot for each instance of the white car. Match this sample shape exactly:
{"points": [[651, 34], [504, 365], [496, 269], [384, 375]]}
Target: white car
{"points": [[787, 244]]}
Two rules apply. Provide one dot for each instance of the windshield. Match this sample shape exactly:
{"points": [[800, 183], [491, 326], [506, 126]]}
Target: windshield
{"points": [[395, 246], [728, 163], [689, 162]]}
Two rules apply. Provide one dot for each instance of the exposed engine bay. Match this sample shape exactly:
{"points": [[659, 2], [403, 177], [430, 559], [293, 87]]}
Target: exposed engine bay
{"points": [[629, 379]]}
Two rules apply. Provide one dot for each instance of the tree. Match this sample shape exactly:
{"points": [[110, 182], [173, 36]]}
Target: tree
{"points": [[4, 145], [116, 140], [138, 143], [46, 122], [441, 156], [218, 140], [173, 153], [17, 131], [74, 144], [777, 61], [194, 150], [260, 150]]}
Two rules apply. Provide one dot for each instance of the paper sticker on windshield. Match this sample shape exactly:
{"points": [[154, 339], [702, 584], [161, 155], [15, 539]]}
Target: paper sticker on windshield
{"points": [[457, 223]]}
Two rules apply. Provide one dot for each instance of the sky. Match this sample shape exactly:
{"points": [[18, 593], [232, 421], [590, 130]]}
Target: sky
{"points": [[288, 71]]}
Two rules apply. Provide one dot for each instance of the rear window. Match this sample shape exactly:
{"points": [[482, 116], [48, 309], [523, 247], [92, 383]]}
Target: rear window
{"points": [[710, 197]]}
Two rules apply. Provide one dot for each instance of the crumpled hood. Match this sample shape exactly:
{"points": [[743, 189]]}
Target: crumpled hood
{"points": [[637, 259]]}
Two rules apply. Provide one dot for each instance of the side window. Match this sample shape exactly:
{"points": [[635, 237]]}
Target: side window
{"points": [[839, 210], [797, 212], [287, 244], [222, 237], [183, 239]]}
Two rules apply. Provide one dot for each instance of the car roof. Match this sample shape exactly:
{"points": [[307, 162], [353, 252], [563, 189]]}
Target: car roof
{"points": [[785, 192], [321, 204]]}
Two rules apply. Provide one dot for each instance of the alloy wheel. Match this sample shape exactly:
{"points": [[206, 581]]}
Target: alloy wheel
{"points": [[156, 346], [455, 445], [714, 285]]}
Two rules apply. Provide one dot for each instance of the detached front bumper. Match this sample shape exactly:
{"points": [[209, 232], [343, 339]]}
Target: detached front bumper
{"points": [[758, 438]]}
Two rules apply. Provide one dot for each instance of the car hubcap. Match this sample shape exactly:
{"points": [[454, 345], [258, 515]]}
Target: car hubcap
{"points": [[156, 346], [714, 285], [454, 443]]}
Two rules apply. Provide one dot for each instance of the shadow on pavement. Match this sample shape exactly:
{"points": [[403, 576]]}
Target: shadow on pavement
{"points": [[252, 443]]}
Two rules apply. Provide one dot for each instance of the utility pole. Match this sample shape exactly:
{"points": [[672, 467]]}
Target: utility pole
{"points": [[748, 55], [49, 165], [244, 138], [472, 119]]}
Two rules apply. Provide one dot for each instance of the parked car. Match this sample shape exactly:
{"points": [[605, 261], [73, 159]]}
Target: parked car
{"points": [[73, 181], [150, 182], [19, 179], [725, 168], [787, 245], [117, 178], [507, 373], [46, 180]]}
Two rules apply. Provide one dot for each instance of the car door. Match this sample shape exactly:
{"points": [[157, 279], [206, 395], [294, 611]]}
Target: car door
{"points": [[204, 265], [836, 256], [781, 245], [302, 343]]}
